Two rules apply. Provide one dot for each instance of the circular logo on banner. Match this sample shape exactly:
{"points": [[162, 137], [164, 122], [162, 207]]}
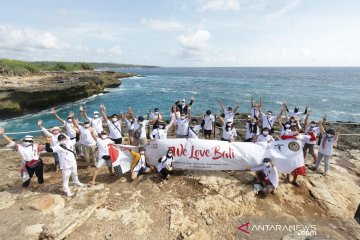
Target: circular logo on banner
{"points": [[294, 146]]}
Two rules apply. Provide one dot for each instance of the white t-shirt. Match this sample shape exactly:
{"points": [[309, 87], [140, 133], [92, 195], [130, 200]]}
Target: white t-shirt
{"points": [[262, 138], [66, 158], [271, 173], [165, 163], [96, 123], [298, 115], [129, 125], [140, 164], [160, 133], [209, 120], [86, 137], [268, 122], [285, 131], [70, 129], [143, 125], [330, 142], [229, 116], [229, 135], [102, 145], [173, 118], [316, 132], [250, 134], [115, 132], [54, 137], [182, 126], [28, 153], [193, 132], [303, 138]]}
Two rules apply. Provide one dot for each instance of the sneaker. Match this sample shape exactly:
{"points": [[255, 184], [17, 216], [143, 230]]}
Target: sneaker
{"points": [[68, 194], [325, 174], [80, 185]]}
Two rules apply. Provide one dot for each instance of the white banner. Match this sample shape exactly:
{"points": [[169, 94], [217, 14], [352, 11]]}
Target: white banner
{"points": [[201, 154]]}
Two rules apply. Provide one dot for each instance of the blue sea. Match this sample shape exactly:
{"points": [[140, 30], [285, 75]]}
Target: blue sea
{"points": [[331, 91]]}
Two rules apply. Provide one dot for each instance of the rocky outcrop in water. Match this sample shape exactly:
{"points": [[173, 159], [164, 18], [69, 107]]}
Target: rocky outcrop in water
{"points": [[23, 95]]}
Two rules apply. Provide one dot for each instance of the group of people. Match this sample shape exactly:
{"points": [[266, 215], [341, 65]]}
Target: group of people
{"points": [[90, 140]]}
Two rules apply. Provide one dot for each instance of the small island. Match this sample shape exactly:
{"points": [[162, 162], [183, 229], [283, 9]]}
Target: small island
{"points": [[28, 87]]}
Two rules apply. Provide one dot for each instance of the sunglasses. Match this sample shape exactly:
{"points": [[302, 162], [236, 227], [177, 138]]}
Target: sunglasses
{"points": [[29, 141]]}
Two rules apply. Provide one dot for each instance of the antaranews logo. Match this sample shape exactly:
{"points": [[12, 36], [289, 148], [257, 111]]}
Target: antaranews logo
{"points": [[300, 229]]}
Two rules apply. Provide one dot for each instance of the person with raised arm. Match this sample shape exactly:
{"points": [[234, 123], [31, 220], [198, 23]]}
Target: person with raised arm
{"points": [[182, 125], [114, 125], [194, 128], [298, 115], [208, 124], [160, 132], [229, 113], [71, 130], [55, 132], [31, 161], [103, 143], [255, 108], [174, 115], [310, 129], [130, 126], [325, 150], [95, 122], [252, 130], [285, 128], [88, 143], [183, 106], [268, 120], [228, 130], [67, 158]]}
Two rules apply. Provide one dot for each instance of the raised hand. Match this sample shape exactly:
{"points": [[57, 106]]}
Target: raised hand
{"points": [[238, 103], [1, 131], [192, 98], [52, 110], [81, 108], [71, 114], [39, 123]]}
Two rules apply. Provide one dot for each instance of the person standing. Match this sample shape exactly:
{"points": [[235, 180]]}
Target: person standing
{"points": [[182, 126], [160, 132], [71, 130], [209, 124], [30, 153], [228, 131], [95, 122], [255, 108], [88, 143], [311, 130], [183, 107], [114, 125], [140, 126], [67, 158], [252, 130], [229, 113]]}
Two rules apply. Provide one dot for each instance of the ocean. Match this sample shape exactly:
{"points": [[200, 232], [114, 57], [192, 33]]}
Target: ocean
{"points": [[331, 91]]}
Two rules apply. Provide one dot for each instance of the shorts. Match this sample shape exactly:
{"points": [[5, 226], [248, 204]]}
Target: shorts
{"points": [[102, 161], [310, 147], [180, 136], [207, 132], [223, 139], [117, 141]]}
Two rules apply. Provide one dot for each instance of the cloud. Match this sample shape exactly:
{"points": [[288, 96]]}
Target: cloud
{"points": [[28, 39], [284, 9], [195, 40], [219, 5], [162, 25]]}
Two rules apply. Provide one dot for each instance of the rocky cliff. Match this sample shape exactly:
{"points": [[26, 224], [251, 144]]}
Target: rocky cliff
{"points": [[23, 95]]}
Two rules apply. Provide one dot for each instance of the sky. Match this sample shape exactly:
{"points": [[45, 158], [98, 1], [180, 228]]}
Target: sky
{"points": [[183, 33]]}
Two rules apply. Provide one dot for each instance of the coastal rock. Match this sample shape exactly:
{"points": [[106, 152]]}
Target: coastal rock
{"points": [[47, 203]]}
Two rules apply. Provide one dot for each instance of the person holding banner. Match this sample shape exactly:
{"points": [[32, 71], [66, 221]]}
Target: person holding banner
{"points": [[31, 161], [267, 176], [160, 132], [165, 165], [138, 166], [102, 143], [252, 130], [228, 131]]}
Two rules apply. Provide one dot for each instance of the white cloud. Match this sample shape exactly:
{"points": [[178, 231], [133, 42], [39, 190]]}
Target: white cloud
{"points": [[162, 25], [219, 5], [28, 39], [284, 9], [195, 40], [116, 50]]}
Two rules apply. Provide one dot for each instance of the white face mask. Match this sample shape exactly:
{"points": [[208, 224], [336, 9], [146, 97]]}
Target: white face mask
{"points": [[56, 132], [170, 155], [26, 144], [142, 152], [156, 113], [313, 125], [287, 125], [265, 133], [252, 123], [86, 125], [269, 114], [63, 142], [267, 164], [329, 135], [69, 120], [96, 116], [114, 119], [228, 124], [182, 117], [161, 126], [104, 136]]}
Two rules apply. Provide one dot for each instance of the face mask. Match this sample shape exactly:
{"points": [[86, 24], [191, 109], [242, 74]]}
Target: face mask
{"points": [[292, 120], [265, 133], [161, 126], [287, 125], [96, 116], [104, 136], [329, 135], [269, 114], [26, 144], [63, 142], [313, 125], [86, 125], [69, 120], [114, 119], [267, 164], [55, 132], [142, 152], [170, 155], [252, 123], [156, 113], [182, 117], [229, 124]]}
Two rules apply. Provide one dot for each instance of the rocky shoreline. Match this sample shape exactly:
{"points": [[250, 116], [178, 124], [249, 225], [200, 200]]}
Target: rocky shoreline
{"points": [[24, 95]]}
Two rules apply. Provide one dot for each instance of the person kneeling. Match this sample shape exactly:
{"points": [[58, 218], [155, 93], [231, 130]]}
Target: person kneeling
{"points": [[267, 176], [138, 166], [165, 165]]}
